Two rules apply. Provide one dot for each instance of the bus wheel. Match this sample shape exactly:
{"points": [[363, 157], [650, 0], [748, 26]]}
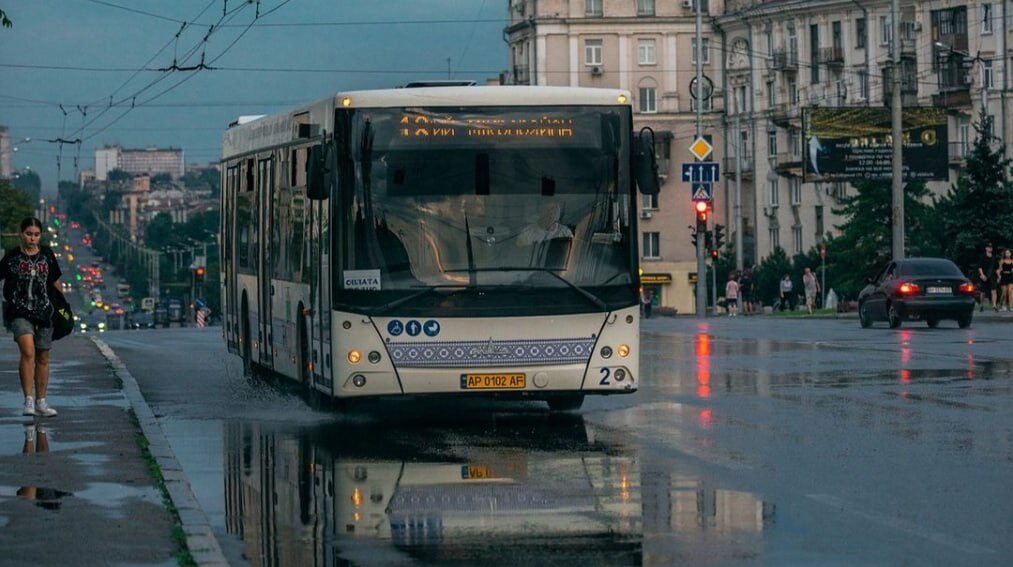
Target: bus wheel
{"points": [[567, 403]]}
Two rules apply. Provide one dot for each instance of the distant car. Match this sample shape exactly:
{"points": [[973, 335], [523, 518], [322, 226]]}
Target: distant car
{"points": [[94, 323], [142, 320], [926, 289]]}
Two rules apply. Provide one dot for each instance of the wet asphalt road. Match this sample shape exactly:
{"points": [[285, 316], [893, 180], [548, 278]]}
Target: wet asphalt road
{"points": [[756, 441]]}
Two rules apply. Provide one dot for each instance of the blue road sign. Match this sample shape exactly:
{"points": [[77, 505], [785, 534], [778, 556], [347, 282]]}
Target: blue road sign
{"points": [[701, 172], [702, 191]]}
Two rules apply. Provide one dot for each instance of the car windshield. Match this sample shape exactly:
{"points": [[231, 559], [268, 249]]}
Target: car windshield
{"points": [[929, 268], [502, 210]]}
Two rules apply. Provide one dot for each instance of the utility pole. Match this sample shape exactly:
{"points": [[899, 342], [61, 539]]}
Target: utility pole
{"points": [[737, 136], [701, 267], [898, 142]]}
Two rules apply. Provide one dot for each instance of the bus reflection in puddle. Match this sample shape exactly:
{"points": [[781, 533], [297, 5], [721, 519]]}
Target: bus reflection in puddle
{"points": [[532, 490], [378, 494]]}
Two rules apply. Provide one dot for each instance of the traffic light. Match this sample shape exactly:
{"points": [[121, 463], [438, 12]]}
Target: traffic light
{"points": [[693, 238], [198, 275], [708, 240], [715, 253], [719, 236], [701, 215]]}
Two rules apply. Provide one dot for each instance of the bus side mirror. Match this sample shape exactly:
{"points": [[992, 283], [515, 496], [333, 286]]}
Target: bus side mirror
{"points": [[317, 173], [645, 163]]}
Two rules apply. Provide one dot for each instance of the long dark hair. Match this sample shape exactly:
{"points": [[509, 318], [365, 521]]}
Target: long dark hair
{"points": [[30, 221]]}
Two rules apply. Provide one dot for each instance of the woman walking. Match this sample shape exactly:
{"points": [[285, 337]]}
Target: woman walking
{"points": [[29, 271], [1005, 276]]}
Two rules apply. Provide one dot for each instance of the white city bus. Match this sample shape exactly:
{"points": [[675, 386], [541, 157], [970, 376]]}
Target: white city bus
{"points": [[439, 240]]}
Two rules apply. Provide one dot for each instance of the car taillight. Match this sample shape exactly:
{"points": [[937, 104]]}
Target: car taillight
{"points": [[907, 288], [967, 288]]}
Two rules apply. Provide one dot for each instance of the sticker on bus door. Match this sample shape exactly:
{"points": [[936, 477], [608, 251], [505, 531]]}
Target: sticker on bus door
{"points": [[361, 279]]}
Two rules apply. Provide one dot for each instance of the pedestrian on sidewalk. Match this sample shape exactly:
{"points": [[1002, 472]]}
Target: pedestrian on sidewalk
{"points": [[29, 271], [647, 302], [1005, 275], [786, 287], [732, 295], [988, 267], [812, 289], [746, 291]]}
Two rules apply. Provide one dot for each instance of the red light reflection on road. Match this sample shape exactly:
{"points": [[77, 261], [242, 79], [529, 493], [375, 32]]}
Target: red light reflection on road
{"points": [[905, 376], [706, 417], [703, 365], [970, 367], [905, 356]]}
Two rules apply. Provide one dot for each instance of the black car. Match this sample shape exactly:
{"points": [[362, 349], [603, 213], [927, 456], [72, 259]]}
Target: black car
{"points": [[925, 289]]}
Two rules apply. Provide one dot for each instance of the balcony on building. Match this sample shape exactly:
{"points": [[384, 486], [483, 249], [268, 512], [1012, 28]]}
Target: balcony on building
{"points": [[746, 161], [788, 163], [783, 60], [908, 83], [785, 115], [954, 84], [958, 153], [832, 56], [521, 76]]}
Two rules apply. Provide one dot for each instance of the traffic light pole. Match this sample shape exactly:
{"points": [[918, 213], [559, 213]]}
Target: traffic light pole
{"points": [[898, 148], [701, 267]]}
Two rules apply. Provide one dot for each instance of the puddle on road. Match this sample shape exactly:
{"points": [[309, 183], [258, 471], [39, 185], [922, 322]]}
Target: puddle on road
{"points": [[43, 497], [519, 489]]}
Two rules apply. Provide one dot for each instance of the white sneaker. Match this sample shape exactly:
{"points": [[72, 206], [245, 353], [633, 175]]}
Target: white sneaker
{"points": [[29, 406], [43, 409], [30, 433]]}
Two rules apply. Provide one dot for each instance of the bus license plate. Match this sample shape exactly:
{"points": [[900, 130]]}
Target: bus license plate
{"points": [[939, 290], [493, 382]]}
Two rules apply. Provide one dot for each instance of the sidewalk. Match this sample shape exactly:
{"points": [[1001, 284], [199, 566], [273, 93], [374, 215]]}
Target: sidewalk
{"points": [[75, 488]]}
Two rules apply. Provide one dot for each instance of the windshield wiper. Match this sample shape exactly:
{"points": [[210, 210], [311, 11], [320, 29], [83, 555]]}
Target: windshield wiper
{"points": [[402, 300], [594, 299]]}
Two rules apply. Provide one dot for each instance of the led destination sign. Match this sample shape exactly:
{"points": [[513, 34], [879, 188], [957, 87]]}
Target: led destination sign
{"points": [[413, 128]]}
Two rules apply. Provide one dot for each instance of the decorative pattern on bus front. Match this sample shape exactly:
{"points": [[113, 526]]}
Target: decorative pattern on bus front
{"points": [[451, 354]]}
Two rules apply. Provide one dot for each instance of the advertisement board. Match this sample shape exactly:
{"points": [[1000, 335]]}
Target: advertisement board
{"points": [[852, 144]]}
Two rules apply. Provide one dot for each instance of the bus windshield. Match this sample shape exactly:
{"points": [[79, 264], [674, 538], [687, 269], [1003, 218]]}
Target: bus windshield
{"points": [[482, 211]]}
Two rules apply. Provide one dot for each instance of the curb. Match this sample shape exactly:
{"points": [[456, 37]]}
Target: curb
{"points": [[200, 538]]}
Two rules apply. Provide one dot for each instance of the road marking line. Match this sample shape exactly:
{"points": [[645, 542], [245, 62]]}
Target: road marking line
{"points": [[900, 525]]}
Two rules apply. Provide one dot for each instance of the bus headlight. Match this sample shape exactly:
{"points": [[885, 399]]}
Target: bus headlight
{"points": [[354, 356], [623, 350]]}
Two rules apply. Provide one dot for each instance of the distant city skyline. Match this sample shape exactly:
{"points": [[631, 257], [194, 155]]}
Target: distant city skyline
{"points": [[59, 71]]}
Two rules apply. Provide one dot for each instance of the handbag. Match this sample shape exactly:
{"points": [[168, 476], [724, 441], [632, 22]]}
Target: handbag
{"points": [[63, 317]]}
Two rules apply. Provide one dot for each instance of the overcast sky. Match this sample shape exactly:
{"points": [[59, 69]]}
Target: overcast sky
{"points": [[356, 44]]}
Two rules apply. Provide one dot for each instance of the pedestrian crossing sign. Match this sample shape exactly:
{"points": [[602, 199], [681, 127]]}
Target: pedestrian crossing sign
{"points": [[702, 191]]}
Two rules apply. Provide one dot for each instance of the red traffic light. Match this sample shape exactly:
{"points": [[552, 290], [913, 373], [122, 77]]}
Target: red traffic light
{"points": [[701, 206], [714, 254], [199, 271]]}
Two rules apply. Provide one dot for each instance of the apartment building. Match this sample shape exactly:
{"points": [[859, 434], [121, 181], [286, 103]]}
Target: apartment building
{"points": [[151, 161], [646, 47], [787, 54]]}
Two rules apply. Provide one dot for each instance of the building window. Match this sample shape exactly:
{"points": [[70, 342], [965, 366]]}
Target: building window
{"points": [[863, 85], [796, 237], [795, 184], [964, 129], [770, 44], [795, 143], [652, 245], [771, 93], [986, 18], [819, 222], [593, 52], [649, 202], [814, 51], [706, 50], [987, 77], [646, 52], [740, 99], [705, 107], [792, 91], [885, 31], [775, 238], [645, 7], [861, 33], [772, 143], [592, 7], [648, 100], [773, 199]]}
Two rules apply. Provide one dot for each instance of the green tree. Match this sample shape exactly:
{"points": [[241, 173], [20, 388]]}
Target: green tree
{"points": [[14, 207], [28, 182], [161, 179], [978, 208], [768, 274], [118, 175], [160, 232], [864, 245], [4, 20], [203, 179]]}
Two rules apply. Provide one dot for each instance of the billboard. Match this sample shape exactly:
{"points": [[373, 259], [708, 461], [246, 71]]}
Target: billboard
{"points": [[852, 144]]}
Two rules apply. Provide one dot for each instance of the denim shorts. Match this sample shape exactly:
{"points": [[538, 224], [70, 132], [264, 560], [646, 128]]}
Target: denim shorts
{"points": [[43, 335]]}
